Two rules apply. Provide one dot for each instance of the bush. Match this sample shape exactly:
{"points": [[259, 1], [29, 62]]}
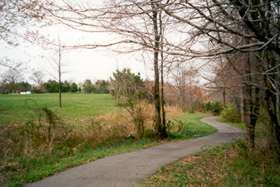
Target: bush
{"points": [[197, 106], [214, 107], [150, 133], [138, 117], [230, 114]]}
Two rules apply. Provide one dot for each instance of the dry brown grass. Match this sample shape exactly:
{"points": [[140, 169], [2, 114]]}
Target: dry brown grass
{"points": [[34, 138], [39, 138], [123, 119]]}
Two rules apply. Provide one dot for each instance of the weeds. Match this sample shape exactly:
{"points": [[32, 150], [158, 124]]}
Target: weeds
{"points": [[230, 114], [186, 127], [49, 137], [48, 144], [213, 107], [138, 117]]}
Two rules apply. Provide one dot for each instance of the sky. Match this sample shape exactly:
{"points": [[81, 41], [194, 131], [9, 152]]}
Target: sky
{"points": [[78, 64]]}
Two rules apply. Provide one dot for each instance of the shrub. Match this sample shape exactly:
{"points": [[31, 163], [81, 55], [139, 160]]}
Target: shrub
{"points": [[230, 114], [214, 107], [177, 129], [197, 106], [138, 115], [150, 133]]}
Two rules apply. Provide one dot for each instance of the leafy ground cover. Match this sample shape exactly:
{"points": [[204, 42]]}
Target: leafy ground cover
{"points": [[227, 165]]}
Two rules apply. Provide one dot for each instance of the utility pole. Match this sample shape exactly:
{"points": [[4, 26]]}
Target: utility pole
{"points": [[59, 74]]}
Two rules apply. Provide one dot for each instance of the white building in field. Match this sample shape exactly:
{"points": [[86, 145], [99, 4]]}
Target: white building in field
{"points": [[25, 93]]}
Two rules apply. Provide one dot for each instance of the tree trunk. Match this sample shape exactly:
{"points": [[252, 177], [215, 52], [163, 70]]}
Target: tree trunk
{"points": [[242, 105], [272, 102], [224, 96], [183, 92], [251, 96], [247, 116], [156, 71], [191, 109], [162, 76], [272, 97]]}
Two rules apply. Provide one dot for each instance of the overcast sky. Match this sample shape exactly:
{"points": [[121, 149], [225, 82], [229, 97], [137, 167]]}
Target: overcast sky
{"points": [[78, 64]]}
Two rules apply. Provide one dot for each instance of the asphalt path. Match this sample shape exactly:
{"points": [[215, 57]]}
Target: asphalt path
{"points": [[132, 168]]}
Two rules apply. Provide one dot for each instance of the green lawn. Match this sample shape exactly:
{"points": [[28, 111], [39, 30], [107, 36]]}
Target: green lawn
{"points": [[240, 125], [19, 169], [21, 108], [190, 126]]}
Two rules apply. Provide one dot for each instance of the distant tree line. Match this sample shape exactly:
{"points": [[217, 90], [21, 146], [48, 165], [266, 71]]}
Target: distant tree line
{"points": [[52, 86], [14, 87], [100, 86]]}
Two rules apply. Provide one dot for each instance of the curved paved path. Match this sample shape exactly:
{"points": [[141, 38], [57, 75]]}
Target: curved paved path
{"points": [[131, 168]]}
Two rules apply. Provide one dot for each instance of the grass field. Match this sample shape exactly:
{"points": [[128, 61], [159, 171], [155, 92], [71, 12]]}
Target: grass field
{"points": [[191, 127], [239, 125], [27, 169], [21, 108], [26, 155]]}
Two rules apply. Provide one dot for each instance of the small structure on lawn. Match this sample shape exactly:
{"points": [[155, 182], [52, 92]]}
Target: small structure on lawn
{"points": [[25, 93]]}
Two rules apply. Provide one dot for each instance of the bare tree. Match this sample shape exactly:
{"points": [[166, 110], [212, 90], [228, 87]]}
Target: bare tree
{"points": [[57, 65], [12, 76], [136, 23], [184, 78], [37, 77], [233, 27], [16, 14], [59, 74]]}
